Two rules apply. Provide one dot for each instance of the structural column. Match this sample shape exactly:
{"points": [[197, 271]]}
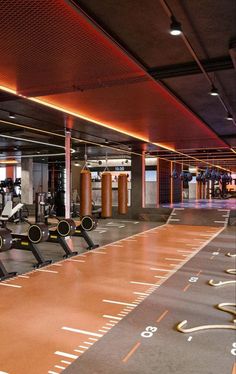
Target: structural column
{"points": [[137, 183], [67, 173], [164, 181], [27, 180], [176, 184]]}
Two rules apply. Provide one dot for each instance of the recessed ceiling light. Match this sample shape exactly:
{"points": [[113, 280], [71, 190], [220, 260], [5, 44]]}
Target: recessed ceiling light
{"points": [[175, 27], [12, 115]]}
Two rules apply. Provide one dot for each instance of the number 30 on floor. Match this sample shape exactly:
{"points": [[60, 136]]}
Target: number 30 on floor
{"points": [[148, 332]]}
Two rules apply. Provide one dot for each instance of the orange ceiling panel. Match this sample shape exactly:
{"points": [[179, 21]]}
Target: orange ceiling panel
{"points": [[145, 110], [51, 51]]}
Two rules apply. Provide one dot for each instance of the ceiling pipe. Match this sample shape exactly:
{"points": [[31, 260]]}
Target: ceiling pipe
{"points": [[170, 14]]}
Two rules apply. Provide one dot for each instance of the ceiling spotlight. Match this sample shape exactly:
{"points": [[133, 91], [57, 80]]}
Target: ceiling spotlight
{"points": [[214, 91], [229, 117], [175, 27], [106, 141], [12, 115]]}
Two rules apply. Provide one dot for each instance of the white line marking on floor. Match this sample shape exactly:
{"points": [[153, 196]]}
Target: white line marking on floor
{"points": [[89, 343], [81, 331], [56, 265], [68, 355], [10, 285], [174, 219], [82, 346], [223, 210], [102, 232], [60, 367], [140, 293], [49, 372], [47, 271], [111, 324], [66, 362], [95, 340], [190, 338], [21, 276], [78, 350], [102, 331], [106, 328], [74, 260], [3, 372], [178, 250], [221, 221], [121, 227], [118, 302], [160, 276], [117, 245], [173, 259], [100, 253], [109, 316], [160, 269], [144, 283]]}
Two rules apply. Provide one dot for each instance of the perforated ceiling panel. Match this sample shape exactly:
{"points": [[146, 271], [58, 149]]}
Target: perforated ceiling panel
{"points": [[52, 51], [47, 47]]}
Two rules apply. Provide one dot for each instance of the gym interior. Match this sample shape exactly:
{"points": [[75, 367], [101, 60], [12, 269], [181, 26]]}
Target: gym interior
{"points": [[117, 187]]}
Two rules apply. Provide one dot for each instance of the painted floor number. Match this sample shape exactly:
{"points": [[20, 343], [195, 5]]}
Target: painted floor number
{"points": [[233, 350], [148, 333], [193, 279]]}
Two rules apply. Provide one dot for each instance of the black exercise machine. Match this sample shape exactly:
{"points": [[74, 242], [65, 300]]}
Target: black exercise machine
{"points": [[40, 232]]}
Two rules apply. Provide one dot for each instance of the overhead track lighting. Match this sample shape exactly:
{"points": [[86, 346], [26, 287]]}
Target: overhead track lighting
{"points": [[175, 27], [214, 91], [12, 115], [229, 117]]}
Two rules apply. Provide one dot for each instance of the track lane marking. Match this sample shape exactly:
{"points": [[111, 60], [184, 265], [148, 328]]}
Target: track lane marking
{"points": [[144, 283], [162, 316], [65, 354], [111, 317], [119, 302], [131, 352], [47, 271], [186, 287], [81, 331]]}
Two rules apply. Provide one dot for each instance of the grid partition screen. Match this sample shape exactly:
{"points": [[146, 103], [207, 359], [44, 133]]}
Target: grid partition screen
{"points": [[164, 177]]}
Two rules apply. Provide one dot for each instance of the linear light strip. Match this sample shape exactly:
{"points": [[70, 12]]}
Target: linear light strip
{"points": [[104, 125]]}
